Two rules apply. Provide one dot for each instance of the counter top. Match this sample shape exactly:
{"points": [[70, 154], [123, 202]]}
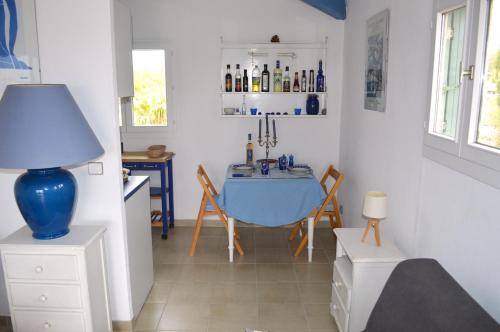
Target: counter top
{"points": [[142, 157], [134, 183]]}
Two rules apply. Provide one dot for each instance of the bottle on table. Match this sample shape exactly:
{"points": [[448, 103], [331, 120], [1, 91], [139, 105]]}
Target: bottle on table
{"points": [[296, 85], [303, 82], [265, 79], [286, 80], [320, 78], [237, 79], [311, 80], [256, 79], [245, 81], [278, 78], [249, 151], [229, 80]]}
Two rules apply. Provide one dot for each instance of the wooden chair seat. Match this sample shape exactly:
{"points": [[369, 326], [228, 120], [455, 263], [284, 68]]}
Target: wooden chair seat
{"points": [[329, 208], [209, 207]]}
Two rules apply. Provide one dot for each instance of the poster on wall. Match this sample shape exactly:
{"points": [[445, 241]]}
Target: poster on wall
{"points": [[18, 43], [377, 45]]}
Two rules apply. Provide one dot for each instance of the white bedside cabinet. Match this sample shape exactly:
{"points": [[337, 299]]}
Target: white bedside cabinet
{"points": [[57, 285], [360, 272]]}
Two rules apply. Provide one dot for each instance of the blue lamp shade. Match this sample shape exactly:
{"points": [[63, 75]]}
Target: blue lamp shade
{"points": [[43, 129]]}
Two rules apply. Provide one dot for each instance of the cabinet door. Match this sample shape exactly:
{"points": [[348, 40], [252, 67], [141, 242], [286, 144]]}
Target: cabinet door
{"points": [[123, 49]]}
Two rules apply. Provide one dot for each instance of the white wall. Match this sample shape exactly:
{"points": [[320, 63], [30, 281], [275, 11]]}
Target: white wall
{"points": [[433, 211], [197, 133], [75, 41]]}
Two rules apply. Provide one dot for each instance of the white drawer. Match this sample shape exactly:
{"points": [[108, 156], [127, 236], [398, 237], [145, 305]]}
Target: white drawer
{"points": [[342, 287], [44, 321], [45, 296], [338, 312], [41, 267]]}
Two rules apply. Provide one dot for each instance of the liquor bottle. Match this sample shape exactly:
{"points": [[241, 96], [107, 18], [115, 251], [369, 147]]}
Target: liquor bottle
{"points": [[277, 79], [320, 79], [256, 79], [303, 82], [311, 80], [245, 81], [265, 79], [237, 79], [243, 107], [296, 85], [229, 80], [249, 151], [286, 80]]}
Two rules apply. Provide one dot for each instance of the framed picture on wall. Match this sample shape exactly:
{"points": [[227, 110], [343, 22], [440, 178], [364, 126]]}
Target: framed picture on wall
{"points": [[19, 61], [377, 46]]}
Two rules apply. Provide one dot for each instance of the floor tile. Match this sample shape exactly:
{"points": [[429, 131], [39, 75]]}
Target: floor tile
{"points": [[276, 292], [282, 316], [184, 317], [236, 273], [160, 292], [275, 273], [313, 272], [228, 293], [235, 316], [168, 272], [198, 273], [273, 255], [319, 317], [149, 317], [315, 292], [190, 293]]}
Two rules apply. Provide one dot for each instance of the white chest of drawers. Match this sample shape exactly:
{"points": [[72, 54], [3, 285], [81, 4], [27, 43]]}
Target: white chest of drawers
{"points": [[360, 272], [57, 285]]}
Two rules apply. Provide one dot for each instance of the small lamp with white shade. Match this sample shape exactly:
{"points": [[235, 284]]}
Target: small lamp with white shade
{"points": [[374, 208]]}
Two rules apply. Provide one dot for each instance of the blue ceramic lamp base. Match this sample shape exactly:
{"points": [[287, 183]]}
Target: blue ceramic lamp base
{"points": [[46, 199]]}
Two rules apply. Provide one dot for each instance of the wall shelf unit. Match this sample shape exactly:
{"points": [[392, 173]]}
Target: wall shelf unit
{"points": [[297, 56]]}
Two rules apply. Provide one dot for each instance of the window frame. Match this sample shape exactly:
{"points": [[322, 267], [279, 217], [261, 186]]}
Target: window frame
{"points": [[462, 153], [127, 103]]}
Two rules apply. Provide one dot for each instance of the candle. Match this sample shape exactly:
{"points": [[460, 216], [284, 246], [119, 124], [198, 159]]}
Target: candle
{"points": [[260, 129], [267, 125], [274, 129]]}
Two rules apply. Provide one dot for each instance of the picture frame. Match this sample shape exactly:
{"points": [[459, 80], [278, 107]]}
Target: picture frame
{"points": [[19, 59], [376, 61]]}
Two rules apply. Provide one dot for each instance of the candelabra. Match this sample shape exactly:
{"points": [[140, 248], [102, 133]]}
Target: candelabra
{"points": [[267, 142]]}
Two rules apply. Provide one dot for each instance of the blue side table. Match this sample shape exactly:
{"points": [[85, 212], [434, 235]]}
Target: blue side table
{"points": [[139, 161]]}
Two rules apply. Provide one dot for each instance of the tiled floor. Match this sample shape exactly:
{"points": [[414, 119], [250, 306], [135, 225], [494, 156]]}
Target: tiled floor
{"points": [[267, 288]]}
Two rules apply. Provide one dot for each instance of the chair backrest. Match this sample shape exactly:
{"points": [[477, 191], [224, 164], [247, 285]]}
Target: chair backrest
{"points": [[335, 175], [209, 191]]}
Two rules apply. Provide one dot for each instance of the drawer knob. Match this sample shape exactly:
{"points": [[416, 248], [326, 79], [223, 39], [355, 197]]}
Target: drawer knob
{"points": [[47, 325], [338, 284], [42, 298], [39, 269], [334, 307]]}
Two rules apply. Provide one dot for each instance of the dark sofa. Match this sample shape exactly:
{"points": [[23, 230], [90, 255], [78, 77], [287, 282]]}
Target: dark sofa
{"points": [[420, 296]]}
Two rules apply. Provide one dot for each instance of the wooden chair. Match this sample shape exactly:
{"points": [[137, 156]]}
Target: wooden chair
{"points": [[329, 208], [209, 207]]}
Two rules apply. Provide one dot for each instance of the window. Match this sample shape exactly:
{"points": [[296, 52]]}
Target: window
{"points": [[464, 112], [147, 110]]}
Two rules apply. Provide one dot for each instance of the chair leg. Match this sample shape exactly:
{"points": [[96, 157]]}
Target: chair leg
{"points": [[294, 231], [332, 221], [197, 227], [237, 244], [302, 245]]}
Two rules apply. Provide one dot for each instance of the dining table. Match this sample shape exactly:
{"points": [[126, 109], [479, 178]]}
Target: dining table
{"points": [[279, 198]]}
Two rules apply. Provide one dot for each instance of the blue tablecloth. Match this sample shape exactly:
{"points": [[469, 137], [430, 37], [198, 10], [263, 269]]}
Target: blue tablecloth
{"points": [[270, 201]]}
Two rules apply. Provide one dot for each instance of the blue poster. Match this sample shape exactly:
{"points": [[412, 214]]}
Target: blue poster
{"points": [[8, 36]]}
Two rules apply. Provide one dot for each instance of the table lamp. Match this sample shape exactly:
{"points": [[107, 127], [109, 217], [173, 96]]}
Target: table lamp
{"points": [[41, 130], [374, 208]]}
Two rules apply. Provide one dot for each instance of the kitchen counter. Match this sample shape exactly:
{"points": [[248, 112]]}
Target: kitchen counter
{"points": [[134, 183]]}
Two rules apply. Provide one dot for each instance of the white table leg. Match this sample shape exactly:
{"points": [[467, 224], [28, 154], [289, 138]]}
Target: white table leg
{"points": [[310, 239], [230, 232]]}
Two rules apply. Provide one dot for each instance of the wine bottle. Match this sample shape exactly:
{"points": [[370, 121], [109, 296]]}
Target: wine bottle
{"points": [[229, 80], [256, 79], [265, 79], [296, 85], [286, 80], [245, 81], [311, 80], [303, 82], [249, 151], [243, 107], [237, 79], [277, 78], [320, 78]]}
